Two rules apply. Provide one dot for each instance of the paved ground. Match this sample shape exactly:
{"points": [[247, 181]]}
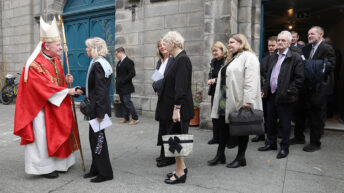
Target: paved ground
{"points": [[133, 150]]}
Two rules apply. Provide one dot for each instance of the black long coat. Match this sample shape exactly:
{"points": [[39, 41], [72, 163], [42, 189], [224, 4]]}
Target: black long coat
{"points": [[176, 90], [99, 92], [290, 78], [215, 66], [125, 72]]}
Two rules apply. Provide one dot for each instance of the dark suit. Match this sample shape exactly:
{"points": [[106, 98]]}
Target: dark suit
{"points": [[125, 72], [280, 103], [176, 90], [312, 103], [298, 45], [99, 95]]}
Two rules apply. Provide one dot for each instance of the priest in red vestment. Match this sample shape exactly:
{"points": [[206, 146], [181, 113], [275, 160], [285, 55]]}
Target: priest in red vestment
{"points": [[43, 113]]}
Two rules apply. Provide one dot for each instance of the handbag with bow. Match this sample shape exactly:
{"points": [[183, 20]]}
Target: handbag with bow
{"points": [[177, 145], [246, 121]]}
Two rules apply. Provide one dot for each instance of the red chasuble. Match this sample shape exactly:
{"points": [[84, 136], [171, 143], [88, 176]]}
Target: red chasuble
{"points": [[45, 79]]}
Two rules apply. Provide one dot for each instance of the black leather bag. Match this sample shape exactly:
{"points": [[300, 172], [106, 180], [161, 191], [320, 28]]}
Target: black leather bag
{"points": [[246, 121], [85, 106]]}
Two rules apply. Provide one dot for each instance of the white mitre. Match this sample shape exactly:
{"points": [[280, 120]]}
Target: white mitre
{"points": [[48, 33]]}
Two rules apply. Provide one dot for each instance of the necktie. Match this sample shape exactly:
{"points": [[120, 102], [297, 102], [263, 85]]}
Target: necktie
{"points": [[275, 73], [312, 53], [119, 62]]}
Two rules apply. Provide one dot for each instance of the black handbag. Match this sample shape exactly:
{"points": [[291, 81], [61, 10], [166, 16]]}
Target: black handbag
{"points": [[85, 106], [246, 121]]}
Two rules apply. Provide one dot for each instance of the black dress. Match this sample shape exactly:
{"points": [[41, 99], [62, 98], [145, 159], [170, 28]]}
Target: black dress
{"points": [[176, 90], [99, 95]]}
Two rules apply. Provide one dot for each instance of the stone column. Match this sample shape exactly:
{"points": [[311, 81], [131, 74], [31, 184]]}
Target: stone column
{"points": [[256, 25], [220, 20], [245, 19], [249, 22]]}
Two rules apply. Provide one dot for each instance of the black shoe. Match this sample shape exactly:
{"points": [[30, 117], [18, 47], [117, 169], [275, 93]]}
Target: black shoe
{"points": [[178, 180], [258, 138], [90, 174], [311, 148], [295, 140], [99, 179], [166, 162], [218, 159], [169, 175], [161, 157], [212, 141], [268, 147], [282, 153], [51, 175], [237, 163], [61, 172]]}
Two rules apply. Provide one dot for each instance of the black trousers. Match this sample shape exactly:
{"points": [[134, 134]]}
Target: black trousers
{"points": [[310, 107], [100, 163], [163, 130], [215, 125], [224, 138], [284, 112], [128, 107]]}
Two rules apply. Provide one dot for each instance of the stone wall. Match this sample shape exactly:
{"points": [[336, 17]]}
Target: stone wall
{"points": [[139, 25], [201, 22], [20, 29], [138, 33]]}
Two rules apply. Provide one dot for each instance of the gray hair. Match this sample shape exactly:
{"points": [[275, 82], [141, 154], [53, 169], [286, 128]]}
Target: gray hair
{"points": [[98, 47], [174, 37], [286, 33], [319, 29]]}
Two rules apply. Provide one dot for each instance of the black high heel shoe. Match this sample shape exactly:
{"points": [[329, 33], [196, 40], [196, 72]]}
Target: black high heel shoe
{"points": [[169, 175], [178, 180], [218, 159]]}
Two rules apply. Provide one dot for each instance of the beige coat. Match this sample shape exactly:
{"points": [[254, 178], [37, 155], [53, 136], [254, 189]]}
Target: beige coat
{"points": [[243, 85]]}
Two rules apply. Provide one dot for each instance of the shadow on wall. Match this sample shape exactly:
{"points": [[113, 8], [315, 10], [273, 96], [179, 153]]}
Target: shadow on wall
{"points": [[336, 34], [3, 72]]}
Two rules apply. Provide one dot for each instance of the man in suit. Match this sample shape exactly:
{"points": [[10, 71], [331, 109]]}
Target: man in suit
{"points": [[312, 103], [125, 72], [284, 78], [295, 39], [272, 45]]}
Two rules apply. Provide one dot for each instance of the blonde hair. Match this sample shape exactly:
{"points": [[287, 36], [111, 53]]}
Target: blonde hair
{"points": [[98, 47], [244, 45], [174, 37], [158, 54], [222, 47]]}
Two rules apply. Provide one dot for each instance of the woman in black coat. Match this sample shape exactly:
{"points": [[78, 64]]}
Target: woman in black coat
{"points": [[219, 52], [175, 105], [98, 92], [163, 64]]}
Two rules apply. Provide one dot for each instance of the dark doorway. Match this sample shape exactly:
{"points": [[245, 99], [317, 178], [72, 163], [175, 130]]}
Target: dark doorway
{"points": [[300, 16]]}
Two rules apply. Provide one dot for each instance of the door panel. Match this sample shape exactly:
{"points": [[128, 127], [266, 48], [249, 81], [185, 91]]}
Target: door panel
{"points": [[83, 20]]}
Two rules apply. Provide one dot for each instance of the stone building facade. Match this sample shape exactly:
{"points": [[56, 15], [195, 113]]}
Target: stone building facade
{"points": [[139, 25]]}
